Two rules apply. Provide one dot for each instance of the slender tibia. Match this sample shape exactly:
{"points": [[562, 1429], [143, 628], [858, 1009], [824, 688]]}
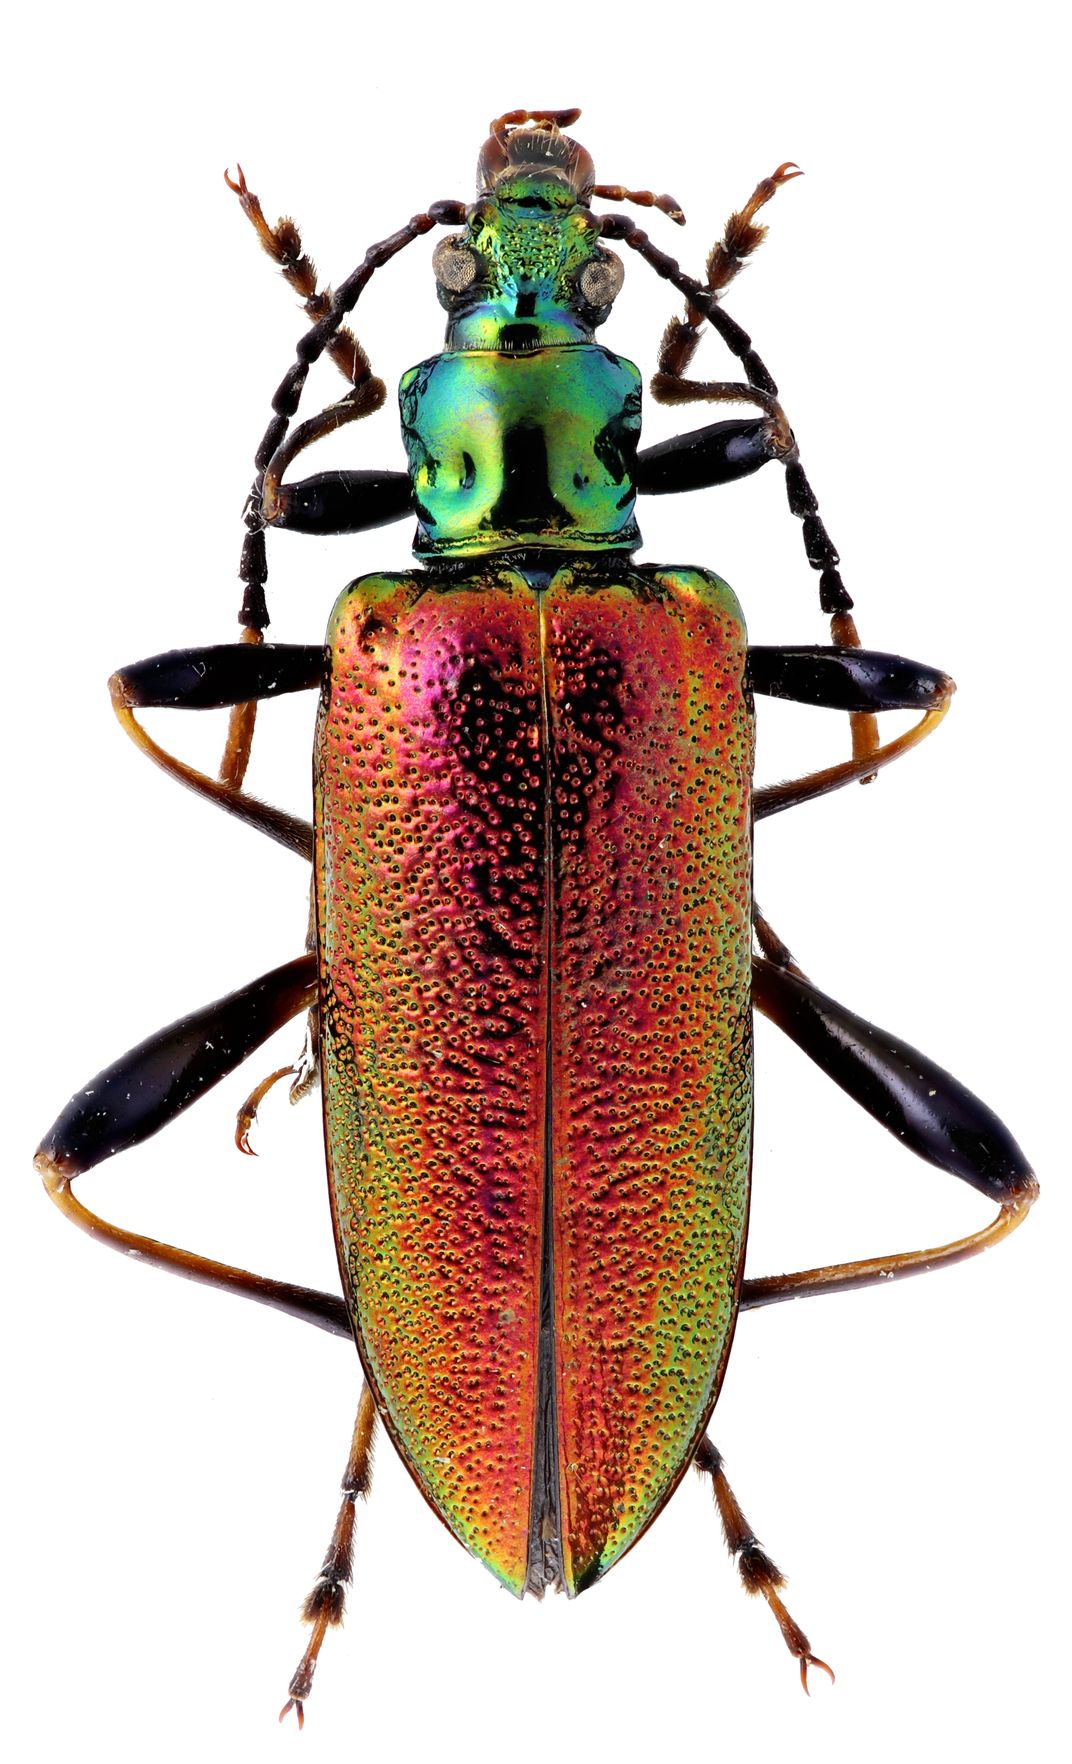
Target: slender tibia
{"points": [[201, 679], [857, 680], [758, 1573], [326, 1603]]}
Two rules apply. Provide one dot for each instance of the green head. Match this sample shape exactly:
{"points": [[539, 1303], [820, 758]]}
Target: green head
{"points": [[529, 269]]}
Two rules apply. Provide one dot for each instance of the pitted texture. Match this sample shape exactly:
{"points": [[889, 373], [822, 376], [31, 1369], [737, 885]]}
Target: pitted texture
{"points": [[434, 1013], [651, 1065], [533, 852]]}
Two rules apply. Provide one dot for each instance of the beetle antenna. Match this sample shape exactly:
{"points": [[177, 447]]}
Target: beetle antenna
{"points": [[327, 335], [253, 569], [668, 387]]}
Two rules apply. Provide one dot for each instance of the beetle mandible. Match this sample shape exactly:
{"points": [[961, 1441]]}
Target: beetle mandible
{"points": [[533, 977]]}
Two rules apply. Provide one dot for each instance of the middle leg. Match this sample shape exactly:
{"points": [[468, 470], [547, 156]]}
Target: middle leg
{"points": [[152, 1084], [861, 681], [234, 674]]}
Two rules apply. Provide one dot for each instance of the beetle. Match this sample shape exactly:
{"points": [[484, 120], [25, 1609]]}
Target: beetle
{"points": [[531, 984]]}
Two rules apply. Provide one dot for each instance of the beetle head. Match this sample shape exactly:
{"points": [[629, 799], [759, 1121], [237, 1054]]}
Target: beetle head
{"points": [[529, 270]]}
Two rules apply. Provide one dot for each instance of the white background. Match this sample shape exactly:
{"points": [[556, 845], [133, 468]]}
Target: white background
{"points": [[172, 1454]]}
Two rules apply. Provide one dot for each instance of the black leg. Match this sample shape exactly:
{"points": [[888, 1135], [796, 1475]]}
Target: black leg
{"points": [[923, 1106], [860, 681], [201, 679], [720, 453], [268, 502], [344, 502], [669, 386], [152, 1084]]}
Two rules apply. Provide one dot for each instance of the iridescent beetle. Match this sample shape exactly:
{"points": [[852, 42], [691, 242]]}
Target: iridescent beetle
{"points": [[533, 979]]}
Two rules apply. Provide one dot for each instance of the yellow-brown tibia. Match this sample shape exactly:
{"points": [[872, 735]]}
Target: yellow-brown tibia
{"points": [[534, 905]]}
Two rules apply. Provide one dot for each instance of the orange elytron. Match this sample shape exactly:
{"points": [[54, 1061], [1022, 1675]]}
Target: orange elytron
{"points": [[534, 856]]}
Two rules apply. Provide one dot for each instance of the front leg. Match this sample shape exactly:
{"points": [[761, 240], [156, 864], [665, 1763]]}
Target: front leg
{"points": [[326, 502], [720, 453], [740, 237], [343, 502]]}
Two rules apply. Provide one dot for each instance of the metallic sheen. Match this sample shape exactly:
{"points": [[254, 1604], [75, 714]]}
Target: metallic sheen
{"points": [[534, 903]]}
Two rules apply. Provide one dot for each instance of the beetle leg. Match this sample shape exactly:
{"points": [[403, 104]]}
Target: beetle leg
{"points": [[678, 347], [149, 1086], [283, 244], [344, 501], [720, 453], [852, 679], [326, 1603], [327, 502], [247, 1114], [758, 1573], [669, 389], [770, 942], [253, 569], [305, 1074], [327, 334], [927, 1109], [204, 679], [740, 237]]}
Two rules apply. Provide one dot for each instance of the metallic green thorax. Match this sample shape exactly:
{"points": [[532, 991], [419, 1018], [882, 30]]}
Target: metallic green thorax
{"points": [[525, 431], [534, 449]]}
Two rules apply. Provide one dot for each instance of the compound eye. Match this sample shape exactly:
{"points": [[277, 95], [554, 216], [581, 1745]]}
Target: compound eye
{"points": [[601, 279], [455, 264]]}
